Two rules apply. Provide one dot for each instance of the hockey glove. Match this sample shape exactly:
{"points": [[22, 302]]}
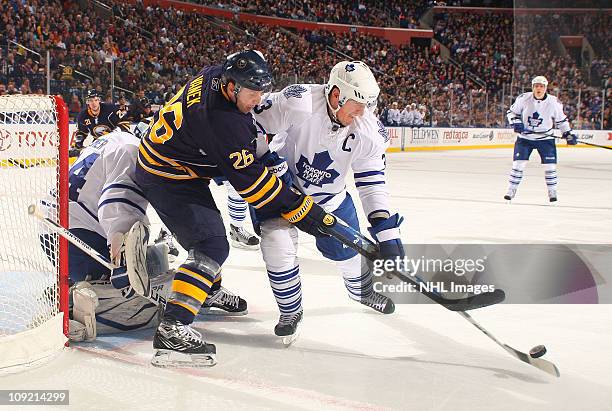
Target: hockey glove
{"points": [[518, 127], [74, 152], [278, 166], [386, 232], [308, 216], [572, 139]]}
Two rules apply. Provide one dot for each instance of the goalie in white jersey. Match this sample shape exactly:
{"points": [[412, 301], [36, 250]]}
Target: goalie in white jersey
{"points": [[534, 115], [323, 132]]}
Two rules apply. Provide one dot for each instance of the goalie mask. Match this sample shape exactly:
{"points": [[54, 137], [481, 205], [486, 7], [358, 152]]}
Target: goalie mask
{"points": [[355, 81]]}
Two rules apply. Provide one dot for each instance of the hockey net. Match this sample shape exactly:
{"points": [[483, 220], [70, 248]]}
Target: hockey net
{"points": [[33, 262]]}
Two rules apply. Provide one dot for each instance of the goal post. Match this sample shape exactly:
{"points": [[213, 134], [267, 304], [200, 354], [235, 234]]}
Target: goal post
{"points": [[34, 143]]}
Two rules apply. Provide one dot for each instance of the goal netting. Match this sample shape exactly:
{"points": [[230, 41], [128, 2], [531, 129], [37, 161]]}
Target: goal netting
{"points": [[33, 262]]}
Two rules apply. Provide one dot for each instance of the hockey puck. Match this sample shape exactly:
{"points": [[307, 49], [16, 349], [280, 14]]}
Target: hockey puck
{"points": [[537, 351]]}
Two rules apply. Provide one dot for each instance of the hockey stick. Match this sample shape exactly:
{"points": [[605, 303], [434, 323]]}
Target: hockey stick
{"points": [[540, 363], [82, 245], [544, 135], [367, 248]]}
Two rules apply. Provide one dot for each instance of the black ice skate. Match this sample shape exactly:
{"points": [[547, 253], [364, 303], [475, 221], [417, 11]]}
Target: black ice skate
{"points": [[241, 238], [166, 237], [179, 345], [224, 302], [552, 196], [287, 327], [379, 303]]}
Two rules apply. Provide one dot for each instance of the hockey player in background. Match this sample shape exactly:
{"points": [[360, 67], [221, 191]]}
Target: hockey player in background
{"points": [[97, 119], [324, 132], [534, 116], [206, 130]]}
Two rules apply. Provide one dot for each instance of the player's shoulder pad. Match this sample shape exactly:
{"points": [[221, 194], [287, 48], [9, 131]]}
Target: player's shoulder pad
{"points": [[297, 98], [369, 127], [524, 95]]}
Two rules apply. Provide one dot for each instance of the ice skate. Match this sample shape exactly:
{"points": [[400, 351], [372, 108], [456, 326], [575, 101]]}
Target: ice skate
{"points": [[510, 195], [224, 302], [379, 302], [241, 238], [552, 195], [287, 327], [165, 237], [179, 345]]}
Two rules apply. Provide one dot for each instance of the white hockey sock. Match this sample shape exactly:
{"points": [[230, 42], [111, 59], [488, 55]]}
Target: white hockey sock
{"points": [[236, 206], [287, 289], [516, 175], [357, 277], [550, 174]]}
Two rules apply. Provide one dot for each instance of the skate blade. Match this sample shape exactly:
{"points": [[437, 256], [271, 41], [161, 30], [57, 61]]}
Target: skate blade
{"points": [[169, 358], [290, 339], [218, 312], [238, 244]]}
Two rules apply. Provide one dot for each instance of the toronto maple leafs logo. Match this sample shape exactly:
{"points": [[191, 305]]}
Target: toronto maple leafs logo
{"points": [[534, 120], [317, 172], [382, 130], [294, 91], [350, 67]]}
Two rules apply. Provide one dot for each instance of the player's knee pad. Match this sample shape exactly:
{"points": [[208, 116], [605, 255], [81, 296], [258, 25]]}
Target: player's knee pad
{"points": [[519, 165], [279, 244], [550, 167], [215, 248], [203, 263]]}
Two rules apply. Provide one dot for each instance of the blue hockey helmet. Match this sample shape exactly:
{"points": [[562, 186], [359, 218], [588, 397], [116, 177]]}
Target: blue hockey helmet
{"points": [[247, 69]]}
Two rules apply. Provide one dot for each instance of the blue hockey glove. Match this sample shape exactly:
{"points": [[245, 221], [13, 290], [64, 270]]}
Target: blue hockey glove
{"points": [[572, 139], [278, 166], [518, 127], [387, 234]]}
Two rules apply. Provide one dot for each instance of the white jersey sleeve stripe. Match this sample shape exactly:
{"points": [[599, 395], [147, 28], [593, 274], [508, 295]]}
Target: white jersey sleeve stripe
{"points": [[121, 200]]}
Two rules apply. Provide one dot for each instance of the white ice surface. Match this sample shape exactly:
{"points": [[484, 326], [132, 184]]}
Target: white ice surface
{"points": [[420, 358]]}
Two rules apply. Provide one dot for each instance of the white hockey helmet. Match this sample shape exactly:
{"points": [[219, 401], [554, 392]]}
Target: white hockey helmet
{"points": [[355, 81], [539, 80]]}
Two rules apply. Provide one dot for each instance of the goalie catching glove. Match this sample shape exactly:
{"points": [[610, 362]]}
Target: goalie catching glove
{"points": [[308, 216]]}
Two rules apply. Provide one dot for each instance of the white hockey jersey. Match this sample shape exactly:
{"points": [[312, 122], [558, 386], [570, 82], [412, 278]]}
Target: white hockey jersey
{"points": [[538, 116], [103, 195], [320, 154]]}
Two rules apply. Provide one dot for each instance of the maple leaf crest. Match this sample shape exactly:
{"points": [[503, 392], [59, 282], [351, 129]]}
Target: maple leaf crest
{"points": [[316, 173]]}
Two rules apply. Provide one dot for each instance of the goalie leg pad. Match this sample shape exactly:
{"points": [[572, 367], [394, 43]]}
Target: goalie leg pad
{"points": [[85, 302], [136, 257]]}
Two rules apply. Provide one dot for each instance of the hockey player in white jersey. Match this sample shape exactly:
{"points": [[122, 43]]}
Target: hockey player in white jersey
{"points": [[534, 115], [324, 132]]}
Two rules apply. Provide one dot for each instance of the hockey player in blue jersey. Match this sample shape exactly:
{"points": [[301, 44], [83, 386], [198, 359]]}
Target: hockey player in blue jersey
{"points": [[97, 119], [205, 131], [534, 116], [325, 132]]}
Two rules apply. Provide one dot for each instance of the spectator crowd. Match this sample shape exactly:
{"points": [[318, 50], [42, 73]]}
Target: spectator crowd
{"points": [[152, 51]]}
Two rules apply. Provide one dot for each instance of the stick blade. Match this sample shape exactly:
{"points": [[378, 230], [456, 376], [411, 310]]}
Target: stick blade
{"points": [[539, 363]]}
